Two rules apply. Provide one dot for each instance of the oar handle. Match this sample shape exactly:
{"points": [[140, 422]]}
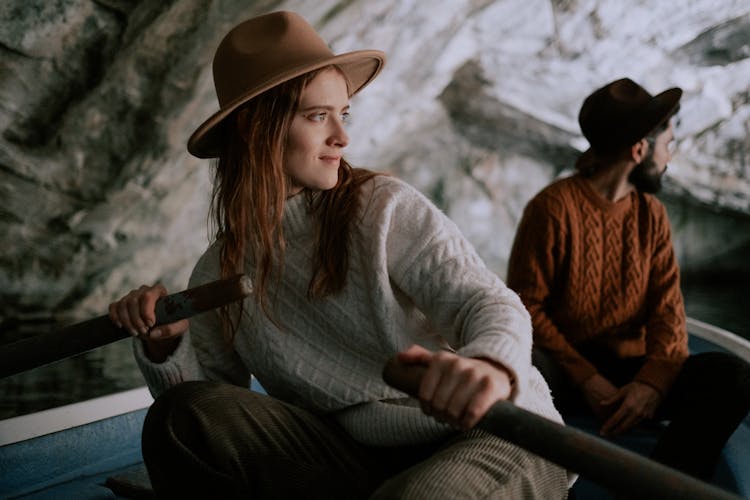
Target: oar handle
{"points": [[187, 303], [44, 348], [612, 466]]}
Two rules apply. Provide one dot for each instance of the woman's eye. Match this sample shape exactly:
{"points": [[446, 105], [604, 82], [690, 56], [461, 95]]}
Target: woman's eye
{"points": [[346, 117], [318, 117]]}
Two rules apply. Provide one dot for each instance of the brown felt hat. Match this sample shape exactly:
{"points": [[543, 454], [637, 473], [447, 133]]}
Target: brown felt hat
{"points": [[265, 51], [622, 113]]}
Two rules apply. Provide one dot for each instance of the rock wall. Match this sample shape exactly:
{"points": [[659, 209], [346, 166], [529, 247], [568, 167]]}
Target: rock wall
{"points": [[476, 107]]}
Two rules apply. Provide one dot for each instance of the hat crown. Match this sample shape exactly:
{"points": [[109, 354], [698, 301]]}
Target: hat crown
{"points": [[260, 49], [260, 53], [622, 112]]}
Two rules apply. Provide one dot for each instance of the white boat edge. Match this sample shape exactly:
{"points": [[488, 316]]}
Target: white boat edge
{"points": [[720, 337], [21, 428]]}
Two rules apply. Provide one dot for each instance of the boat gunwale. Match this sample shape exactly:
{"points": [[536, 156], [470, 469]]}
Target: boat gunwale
{"points": [[28, 426], [41, 423], [720, 337]]}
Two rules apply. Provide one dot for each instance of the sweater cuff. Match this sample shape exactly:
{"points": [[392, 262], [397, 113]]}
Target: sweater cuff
{"points": [[659, 373], [578, 368], [507, 354], [162, 376]]}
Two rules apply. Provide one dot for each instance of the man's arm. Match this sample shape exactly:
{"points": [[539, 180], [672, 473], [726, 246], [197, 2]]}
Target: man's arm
{"points": [[666, 335], [535, 259], [666, 332]]}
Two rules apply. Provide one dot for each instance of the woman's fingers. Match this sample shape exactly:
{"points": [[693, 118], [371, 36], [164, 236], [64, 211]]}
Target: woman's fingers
{"points": [[133, 311], [114, 315], [481, 403], [439, 386], [459, 390], [136, 311], [147, 302], [415, 354], [168, 331]]}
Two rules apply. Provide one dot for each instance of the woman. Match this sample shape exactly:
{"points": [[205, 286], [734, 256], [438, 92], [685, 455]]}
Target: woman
{"points": [[349, 268]]}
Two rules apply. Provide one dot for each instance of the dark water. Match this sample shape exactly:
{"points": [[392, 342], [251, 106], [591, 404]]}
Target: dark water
{"points": [[103, 371], [722, 302]]}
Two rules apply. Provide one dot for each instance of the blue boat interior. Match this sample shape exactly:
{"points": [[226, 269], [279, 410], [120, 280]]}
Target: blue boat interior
{"points": [[103, 460]]}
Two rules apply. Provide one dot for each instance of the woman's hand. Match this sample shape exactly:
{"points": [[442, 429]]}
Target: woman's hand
{"points": [[136, 313], [458, 390]]}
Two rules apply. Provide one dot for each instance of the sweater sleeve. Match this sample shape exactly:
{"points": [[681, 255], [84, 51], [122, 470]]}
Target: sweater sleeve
{"points": [[666, 333], [467, 304], [202, 353], [535, 258]]}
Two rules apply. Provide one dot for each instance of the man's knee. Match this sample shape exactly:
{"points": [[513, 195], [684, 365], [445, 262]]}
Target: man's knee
{"points": [[721, 368], [719, 378]]}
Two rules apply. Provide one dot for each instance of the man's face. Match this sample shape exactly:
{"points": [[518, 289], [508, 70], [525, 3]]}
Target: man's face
{"points": [[646, 176]]}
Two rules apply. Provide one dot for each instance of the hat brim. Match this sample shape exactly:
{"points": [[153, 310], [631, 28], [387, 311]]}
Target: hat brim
{"points": [[661, 107], [360, 68]]}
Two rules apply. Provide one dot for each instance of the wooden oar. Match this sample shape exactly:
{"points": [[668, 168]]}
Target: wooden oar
{"points": [[44, 348], [620, 470]]}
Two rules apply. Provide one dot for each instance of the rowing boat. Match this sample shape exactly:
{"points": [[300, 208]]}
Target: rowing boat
{"points": [[91, 449]]}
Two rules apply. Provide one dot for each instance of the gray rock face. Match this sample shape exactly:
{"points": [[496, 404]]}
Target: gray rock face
{"points": [[476, 107]]}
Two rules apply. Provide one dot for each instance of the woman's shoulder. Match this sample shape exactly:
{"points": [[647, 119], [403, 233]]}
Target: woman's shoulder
{"points": [[387, 200], [207, 268], [385, 183], [386, 188]]}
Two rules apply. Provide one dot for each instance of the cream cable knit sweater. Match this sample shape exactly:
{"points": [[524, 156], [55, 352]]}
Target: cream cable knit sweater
{"points": [[413, 278]]}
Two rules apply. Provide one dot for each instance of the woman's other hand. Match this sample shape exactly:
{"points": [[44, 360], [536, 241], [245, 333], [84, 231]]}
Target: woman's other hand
{"points": [[135, 312], [455, 389]]}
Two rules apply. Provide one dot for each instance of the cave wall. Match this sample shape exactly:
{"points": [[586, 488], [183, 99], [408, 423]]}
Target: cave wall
{"points": [[476, 107]]}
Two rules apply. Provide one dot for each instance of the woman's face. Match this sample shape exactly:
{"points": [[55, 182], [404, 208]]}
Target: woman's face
{"points": [[317, 136]]}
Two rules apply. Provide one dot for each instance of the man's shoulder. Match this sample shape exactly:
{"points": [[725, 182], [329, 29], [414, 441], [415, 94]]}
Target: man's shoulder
{"points": [[558, 193], [653, 204]]}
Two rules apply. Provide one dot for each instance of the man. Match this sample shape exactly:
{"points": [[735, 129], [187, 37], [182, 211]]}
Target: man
{"points": [[593, 262]]}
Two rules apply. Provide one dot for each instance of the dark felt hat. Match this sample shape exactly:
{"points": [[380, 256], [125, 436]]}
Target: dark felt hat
{"points": [[622, 113]]}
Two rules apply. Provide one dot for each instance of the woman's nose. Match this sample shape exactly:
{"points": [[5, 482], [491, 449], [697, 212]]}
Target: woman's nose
{"points": [[338, 135]]}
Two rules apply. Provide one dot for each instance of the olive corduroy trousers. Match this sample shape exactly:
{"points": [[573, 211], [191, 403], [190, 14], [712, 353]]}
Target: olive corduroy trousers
{"points": [[214, 440]]}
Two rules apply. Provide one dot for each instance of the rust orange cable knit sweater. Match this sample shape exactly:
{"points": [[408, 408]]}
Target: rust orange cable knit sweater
{"points": [[591, 270]]}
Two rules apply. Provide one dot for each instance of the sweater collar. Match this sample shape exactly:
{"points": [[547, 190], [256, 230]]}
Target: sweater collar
{"points": [[297, 220], [613, 208]]}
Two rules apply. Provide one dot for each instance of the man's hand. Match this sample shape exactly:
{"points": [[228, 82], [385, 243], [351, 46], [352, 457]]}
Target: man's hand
{"points": [[597, 390], [458, 390], [638, 402]]}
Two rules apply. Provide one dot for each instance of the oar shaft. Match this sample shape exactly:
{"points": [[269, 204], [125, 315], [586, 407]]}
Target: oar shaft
{"points": [[44, 348], [612, 466]]}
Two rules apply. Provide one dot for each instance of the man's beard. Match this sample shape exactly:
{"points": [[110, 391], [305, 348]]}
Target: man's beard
{"points": [[646, 176]]}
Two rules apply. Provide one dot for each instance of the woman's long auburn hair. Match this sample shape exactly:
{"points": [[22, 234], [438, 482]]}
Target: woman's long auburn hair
{"points": [[250, 189]]}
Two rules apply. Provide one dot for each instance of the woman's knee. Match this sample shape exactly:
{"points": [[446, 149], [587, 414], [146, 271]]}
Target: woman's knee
{"points": [[478, 465], [174, 413], [178, 398]]}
